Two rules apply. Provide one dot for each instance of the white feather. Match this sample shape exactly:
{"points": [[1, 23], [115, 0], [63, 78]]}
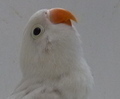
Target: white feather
{"points": [[53, 66]]}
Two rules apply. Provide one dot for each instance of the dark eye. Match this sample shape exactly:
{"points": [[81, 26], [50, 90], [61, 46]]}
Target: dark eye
{"points": [[37, 31]]}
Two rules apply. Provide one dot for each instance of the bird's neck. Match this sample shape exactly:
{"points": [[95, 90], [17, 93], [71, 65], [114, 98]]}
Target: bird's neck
{"points": [[50, 66]]}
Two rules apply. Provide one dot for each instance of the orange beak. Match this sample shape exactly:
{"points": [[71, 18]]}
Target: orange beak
{"points": [[58, 15]]}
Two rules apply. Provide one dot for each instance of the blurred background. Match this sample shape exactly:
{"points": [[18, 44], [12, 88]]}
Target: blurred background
{"points": [[99, 27]]}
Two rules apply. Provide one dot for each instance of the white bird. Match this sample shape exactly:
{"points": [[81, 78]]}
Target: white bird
{"points": [[52, 63]]}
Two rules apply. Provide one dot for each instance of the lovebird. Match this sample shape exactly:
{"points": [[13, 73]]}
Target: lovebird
{"points": [[51, 59]]}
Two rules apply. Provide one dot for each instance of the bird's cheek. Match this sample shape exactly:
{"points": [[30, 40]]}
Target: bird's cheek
{"points": [[48, 45]]}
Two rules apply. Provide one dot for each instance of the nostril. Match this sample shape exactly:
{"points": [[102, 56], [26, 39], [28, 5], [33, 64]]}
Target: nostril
{"points": [[45, 12]]}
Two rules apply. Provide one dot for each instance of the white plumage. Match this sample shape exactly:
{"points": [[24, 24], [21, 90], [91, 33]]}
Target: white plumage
{"points": [[52, 62]]}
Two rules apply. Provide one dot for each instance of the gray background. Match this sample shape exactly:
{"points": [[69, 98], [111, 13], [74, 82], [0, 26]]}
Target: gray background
{"points": [[99, 26]]}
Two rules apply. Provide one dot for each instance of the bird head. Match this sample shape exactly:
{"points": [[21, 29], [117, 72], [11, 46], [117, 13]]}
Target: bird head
{"points": [[51, 44]]}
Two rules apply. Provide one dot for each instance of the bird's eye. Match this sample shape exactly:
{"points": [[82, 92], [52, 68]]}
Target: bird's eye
{"points": [[37, 31]]}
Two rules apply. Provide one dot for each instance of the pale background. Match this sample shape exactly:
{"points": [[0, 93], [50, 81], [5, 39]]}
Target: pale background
{"points": [[99, 26]]}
